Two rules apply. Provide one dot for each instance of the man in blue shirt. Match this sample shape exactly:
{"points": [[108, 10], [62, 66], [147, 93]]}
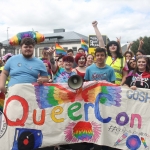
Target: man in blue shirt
{"points": [[99, 70], [24, 68]]}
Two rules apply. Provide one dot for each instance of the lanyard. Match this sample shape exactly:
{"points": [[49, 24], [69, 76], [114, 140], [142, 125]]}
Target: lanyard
{"points": [[113, 61]]}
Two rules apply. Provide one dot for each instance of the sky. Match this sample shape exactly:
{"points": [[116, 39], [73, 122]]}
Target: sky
{"points": [[128, 19]]}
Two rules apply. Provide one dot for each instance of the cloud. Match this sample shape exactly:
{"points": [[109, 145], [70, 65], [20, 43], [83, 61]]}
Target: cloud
{"points": [[125, 18]]}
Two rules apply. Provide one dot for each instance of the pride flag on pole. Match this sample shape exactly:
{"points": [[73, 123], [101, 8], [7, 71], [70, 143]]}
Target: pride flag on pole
{"points": [[60, 50], [84, 45]]}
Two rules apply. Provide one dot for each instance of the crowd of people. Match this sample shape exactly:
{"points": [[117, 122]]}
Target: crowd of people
{"points": [[108, 63]]}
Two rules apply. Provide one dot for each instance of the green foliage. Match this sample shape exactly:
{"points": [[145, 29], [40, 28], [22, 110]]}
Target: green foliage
{"points": [[145, 47]]}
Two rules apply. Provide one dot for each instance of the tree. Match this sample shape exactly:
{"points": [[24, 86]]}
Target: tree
{"points": [[145, 47]]}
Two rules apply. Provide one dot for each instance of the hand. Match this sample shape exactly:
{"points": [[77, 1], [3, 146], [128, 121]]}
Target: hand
{"points": [[51, 51], [40, 79], [131, 43], [94, 23], [50, 80], [118, 39], [133, 87], [141, 42]]}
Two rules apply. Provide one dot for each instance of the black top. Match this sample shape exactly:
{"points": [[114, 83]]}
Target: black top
{"points": [[138, 81]]}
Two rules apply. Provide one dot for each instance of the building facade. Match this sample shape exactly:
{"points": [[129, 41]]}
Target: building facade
{"points": [[68, 40]]}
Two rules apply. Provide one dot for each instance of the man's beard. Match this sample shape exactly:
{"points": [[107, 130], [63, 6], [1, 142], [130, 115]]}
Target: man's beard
{"points": [[28, 56]]}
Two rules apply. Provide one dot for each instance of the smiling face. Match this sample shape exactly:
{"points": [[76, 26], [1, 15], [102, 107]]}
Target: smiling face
{"points": [[128, 57], [27, 50], [141, 64], [81, 61], [68, 65], [60, 62], [89, 60], [132, 64]]}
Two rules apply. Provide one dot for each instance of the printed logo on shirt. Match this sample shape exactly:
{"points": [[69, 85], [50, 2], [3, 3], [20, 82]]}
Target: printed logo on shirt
{"points": [[143, 81], [97, 76]]}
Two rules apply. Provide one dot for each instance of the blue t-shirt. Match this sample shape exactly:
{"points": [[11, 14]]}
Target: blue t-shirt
{"points": [[22, 70], [94, 73], [62, 76]]}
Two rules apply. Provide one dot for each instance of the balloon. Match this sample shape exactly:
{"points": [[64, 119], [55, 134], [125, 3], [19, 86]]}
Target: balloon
{"points": [[15, 40]]}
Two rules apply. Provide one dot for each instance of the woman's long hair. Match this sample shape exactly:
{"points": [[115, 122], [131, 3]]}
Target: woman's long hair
{"points": [[147, 66], [129, 66], [119, 55]]}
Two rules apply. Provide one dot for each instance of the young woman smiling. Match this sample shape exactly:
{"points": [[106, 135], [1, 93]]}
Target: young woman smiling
{"points": [[140, 78], [80, 59]]}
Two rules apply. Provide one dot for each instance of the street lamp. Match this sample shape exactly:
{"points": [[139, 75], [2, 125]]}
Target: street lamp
{"points": [[7, 33]]}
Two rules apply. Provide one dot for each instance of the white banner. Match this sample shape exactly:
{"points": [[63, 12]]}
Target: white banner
{"points": [[38, 116]]}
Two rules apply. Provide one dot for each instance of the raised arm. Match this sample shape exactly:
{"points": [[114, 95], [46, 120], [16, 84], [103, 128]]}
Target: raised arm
{"points": [[51, 59], [119, 42], [141, 42], [129, 46], [98, 34]]}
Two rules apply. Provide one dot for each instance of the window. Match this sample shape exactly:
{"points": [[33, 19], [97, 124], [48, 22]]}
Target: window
{"points": [[66, 48], [74, 50]]}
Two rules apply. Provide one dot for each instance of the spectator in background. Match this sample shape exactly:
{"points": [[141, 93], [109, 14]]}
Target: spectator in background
{"points": [[45, 56], [48, 67], [131, 65], [44, 53], [70, 53], [139, 53], [128, 55], [90, 60], [60, 61], [80, 60], [81, 50]]}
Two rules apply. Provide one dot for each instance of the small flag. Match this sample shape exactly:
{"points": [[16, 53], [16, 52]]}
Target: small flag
{"points": [[84, 45], [60, 50]]}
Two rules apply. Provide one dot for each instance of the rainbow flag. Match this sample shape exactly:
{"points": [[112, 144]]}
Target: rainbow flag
{"points": [[2, 98], [84, 45], [60, 50]]}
